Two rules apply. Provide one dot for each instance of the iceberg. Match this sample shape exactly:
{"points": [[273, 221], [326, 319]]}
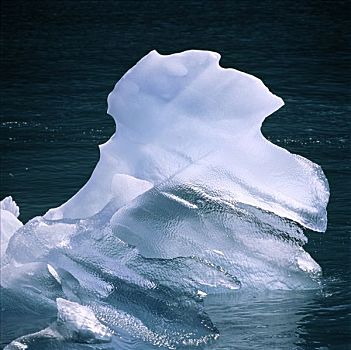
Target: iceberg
{"points": [[188, 199]]}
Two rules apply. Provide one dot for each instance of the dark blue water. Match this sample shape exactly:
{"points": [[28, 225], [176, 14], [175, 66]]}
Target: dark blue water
{"points": [[60, 59]]}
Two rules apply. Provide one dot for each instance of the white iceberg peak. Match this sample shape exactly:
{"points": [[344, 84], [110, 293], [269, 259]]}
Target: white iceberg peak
{"points": [[9, 223], [184, 118], [10, 205]]}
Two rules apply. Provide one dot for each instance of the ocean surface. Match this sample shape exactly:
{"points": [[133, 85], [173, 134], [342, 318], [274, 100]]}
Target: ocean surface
{"points": [[60, 59]]}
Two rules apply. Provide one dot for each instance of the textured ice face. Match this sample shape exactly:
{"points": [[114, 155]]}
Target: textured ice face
{"points": [[79, 323], [188, 199]]}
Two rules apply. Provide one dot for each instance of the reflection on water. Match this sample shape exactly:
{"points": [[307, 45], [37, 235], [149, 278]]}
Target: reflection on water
{"points": [[268, 320], [278, 320]]}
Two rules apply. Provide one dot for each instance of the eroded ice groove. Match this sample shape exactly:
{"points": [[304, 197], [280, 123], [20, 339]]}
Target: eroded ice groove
{"points": [[188, 199]]}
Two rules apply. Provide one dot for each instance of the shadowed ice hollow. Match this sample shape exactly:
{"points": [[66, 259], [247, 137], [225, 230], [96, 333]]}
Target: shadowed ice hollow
{"points": [[188, 199]]}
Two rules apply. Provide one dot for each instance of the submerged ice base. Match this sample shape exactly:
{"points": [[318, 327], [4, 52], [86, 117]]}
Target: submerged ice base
{"points": [[188, 199]]}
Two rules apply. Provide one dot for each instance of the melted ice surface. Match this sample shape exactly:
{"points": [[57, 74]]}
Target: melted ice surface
{"points": [[184, 118]]}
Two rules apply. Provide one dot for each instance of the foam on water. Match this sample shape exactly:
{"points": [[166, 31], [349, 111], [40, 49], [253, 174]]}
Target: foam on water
{"points": [[188, 199]]}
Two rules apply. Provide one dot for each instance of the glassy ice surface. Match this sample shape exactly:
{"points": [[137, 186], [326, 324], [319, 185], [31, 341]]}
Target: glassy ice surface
{"points": [[189, 202]]}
